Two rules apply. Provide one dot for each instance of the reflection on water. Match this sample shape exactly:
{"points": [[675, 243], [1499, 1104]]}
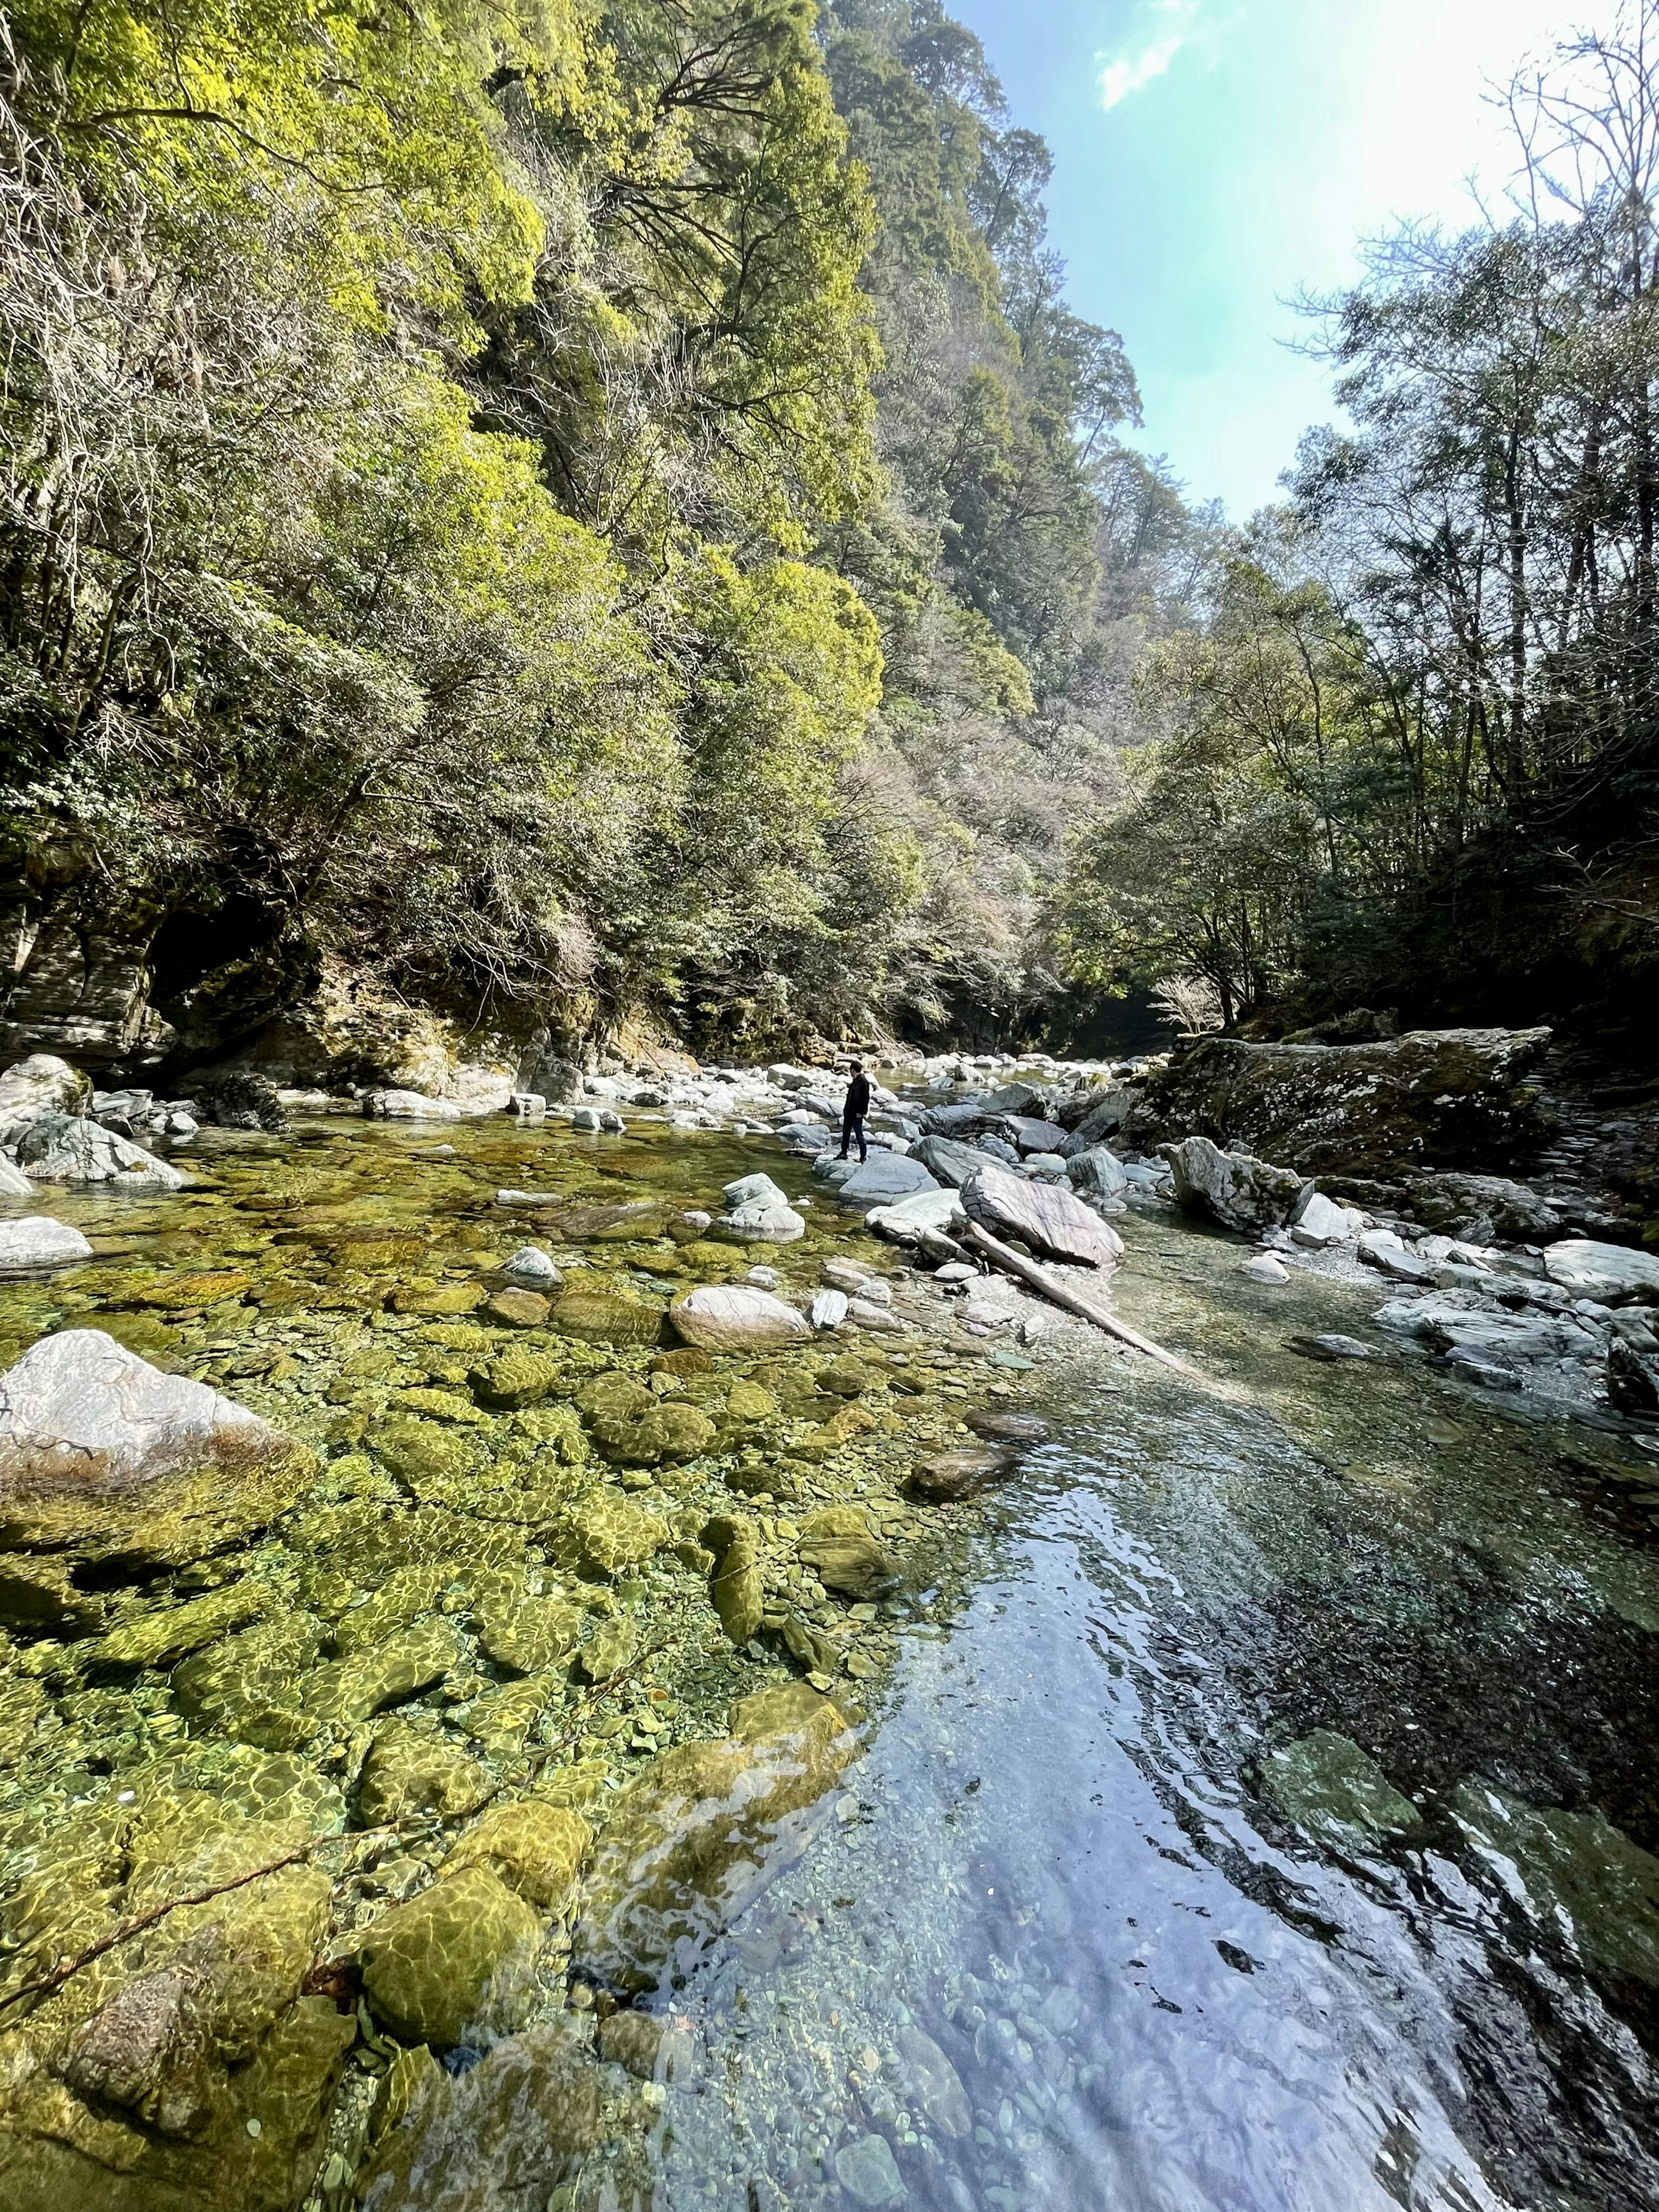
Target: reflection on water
{"points": [[1234, 1835]]}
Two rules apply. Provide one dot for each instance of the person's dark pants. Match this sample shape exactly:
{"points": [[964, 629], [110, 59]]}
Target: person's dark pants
{"points": [[853, 1125]]}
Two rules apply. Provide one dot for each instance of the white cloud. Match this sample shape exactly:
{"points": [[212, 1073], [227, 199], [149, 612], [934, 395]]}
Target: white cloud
{"points": [[1122, 74]]}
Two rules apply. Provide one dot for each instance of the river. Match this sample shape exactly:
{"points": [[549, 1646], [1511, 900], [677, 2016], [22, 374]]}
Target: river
{"points": [[1255, 1806]]}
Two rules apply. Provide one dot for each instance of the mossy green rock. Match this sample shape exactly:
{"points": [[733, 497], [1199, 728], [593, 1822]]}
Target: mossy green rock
{"points": [[354, 1689], [837, 1546], [249, 1686], [610, 1646], [607, 1531], [406, 1593], [633, 1427], [536, 1850], [160, 1638], [421, 1452], [57, 2154], [528, 1634], [410, 1772], [456, 1961], [598, 1317], [520, 1377], [735, 1587]]}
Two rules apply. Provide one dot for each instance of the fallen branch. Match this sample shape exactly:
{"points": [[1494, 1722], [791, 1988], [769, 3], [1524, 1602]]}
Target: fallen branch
{"points": [[1070, 1301]]}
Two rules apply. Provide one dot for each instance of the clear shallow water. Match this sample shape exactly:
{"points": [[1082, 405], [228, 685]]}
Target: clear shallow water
{"points": [[1231, 1832], [1090, 1855]]}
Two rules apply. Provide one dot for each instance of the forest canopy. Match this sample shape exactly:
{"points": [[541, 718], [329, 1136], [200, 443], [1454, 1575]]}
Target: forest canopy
{"points": [[588, 512]]}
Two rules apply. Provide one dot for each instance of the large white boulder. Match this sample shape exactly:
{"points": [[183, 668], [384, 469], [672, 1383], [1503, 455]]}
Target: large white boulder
{"points": [[1316, 1221], [1234, 1188], [33, 1088], [764, 1223], [80, 1411], [1612, 1274], [61, 1149], [735, 1317], [36, 1242], [1050, 1221]]}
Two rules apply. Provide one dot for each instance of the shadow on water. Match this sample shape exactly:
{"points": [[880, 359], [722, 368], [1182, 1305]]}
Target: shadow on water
{"points": [[1236, 1835]]}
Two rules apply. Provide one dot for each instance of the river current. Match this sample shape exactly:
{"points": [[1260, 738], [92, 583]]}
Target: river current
{"points": [[1256, 1806]]}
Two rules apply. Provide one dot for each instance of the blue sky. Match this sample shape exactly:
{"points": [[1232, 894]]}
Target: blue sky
{"points": [[1216, 157]]}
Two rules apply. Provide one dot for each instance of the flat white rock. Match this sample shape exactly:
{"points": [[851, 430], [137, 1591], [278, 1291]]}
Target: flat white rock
{"points": [[37, 1241], [1262, 1267], [76, 1152], [764, 1224], [907, 1220], [410, 1106], [78, 1410], [731, 1316], [829, 1309], [1612, 1274]]}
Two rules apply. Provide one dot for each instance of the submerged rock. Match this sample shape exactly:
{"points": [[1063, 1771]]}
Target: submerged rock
{"points": [[79, 1412], [37, 1241], [1579, 1876], [837, 1546], [456, 1962], [1326, 1784], [509, 2131], [410, 1772], [735, 1587], [601, 1317], [536, 1849], [706, 1828], [1234, 1188], [868, 2171]]}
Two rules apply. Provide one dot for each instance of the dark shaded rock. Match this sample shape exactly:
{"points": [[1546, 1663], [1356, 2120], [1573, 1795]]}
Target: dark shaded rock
{"points": [[1467, 1205], [950, 1475], [1433, 1098], [1009, 1428], [235, 1098]]}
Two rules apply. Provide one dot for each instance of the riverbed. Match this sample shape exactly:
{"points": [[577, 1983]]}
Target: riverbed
{"points": [[1253, 1794]]}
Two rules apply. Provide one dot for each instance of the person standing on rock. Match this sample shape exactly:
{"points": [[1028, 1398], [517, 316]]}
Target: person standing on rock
{"points": [[856, 1106]]}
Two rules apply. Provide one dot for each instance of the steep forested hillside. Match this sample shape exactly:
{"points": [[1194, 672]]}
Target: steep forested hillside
{"points": [[573, 511]]}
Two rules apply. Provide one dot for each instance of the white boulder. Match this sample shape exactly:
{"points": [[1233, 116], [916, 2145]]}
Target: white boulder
{"points": [[37, 1241], [80, 1411], [531, 1269], [61, 1149], [408, 1106], [733, 1316], [14, 1183]]}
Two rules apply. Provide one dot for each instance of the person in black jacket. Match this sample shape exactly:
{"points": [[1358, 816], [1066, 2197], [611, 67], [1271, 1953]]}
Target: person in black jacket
{"points": [[853, 1112]]}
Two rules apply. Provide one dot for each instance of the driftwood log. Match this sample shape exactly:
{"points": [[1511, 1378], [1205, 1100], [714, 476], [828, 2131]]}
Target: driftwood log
{"points": [[1073, 1301]]}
